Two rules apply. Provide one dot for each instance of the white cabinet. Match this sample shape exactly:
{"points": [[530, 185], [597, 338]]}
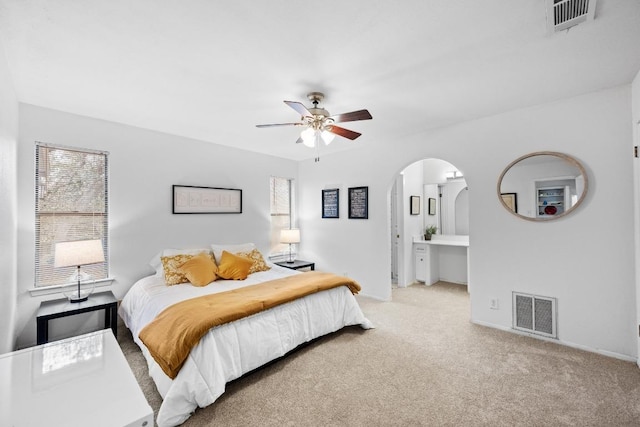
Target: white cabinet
{"points": [[441, 258], [420, 255]]}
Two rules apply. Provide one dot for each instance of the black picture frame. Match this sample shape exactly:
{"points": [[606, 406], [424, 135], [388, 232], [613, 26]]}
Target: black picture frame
{"points": [[432, 206], [191, 199], [331, 203], [359, 203], [414, 205]]}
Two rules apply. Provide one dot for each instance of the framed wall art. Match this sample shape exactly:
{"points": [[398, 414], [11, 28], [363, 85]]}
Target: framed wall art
{"points": [[432, 206], [189, 199], [359, 203], [331, 203], [414, 205], [511, 200]]}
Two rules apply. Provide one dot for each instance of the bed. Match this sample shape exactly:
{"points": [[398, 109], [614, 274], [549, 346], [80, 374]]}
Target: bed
{"points": [[230, 350]]}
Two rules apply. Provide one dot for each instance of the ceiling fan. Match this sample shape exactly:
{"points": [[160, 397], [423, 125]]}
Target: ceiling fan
{"points": [[319, 124]]}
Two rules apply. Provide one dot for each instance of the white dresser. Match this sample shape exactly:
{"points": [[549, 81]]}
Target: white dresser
{"points": [[79, 381]]}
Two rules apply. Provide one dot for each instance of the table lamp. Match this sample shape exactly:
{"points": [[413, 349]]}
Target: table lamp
{"points": [[290, 236], [78, 253]]}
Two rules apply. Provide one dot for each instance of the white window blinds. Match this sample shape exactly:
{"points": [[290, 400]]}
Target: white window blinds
{"points": [[72, 204], [282, 196]]}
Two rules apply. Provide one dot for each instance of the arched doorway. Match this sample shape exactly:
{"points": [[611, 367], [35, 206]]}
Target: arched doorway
{"points": [[428, 192]]}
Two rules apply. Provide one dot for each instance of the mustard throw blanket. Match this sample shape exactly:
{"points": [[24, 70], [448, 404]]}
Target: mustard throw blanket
{"points": [[171, 336]]}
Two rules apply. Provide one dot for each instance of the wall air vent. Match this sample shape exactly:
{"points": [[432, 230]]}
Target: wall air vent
{"points": [[534, 314], [563, 14]]}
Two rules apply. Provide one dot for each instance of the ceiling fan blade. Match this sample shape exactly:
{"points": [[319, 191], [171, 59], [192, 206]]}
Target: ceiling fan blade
{"points": [[343, 132], [352, 116], [301, 109], [279, 124]]}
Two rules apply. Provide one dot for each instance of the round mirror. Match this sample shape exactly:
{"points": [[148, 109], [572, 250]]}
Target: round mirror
{"points": [[542, 186]]}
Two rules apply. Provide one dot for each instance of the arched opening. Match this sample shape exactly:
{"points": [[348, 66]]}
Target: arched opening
{"points": [[429, 193]]}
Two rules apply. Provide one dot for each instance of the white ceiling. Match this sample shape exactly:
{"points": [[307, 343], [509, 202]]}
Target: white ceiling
{"points": [[212, 70]]}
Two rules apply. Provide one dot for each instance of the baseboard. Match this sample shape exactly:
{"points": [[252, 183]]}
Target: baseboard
{"points": [[452, 281], [607, 353]]}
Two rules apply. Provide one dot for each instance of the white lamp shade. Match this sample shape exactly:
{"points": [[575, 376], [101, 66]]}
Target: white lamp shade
{"points": [[290, 236], [81, 252]]}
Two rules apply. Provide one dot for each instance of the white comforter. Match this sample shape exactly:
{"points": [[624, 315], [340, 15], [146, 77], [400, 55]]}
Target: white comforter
{"points": [[228, 351]]}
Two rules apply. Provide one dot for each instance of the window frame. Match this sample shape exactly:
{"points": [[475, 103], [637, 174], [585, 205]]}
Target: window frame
{"points": [[42, 279], [281, 250]]}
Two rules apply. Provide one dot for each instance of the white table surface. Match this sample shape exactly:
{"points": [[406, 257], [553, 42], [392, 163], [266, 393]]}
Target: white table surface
{"points": [[79, 381], [445, 240]]}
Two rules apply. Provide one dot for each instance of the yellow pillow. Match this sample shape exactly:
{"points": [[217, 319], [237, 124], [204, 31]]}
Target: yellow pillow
{"points": [[170, 264], [233, 267], [199, 270], [258, 262]]}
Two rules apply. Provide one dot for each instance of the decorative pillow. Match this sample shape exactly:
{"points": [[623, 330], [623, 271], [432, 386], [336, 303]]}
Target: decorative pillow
{"points": [[233, 267], [171, 264], [232, 249], [199, 270], [156, 262], [259, 263]]}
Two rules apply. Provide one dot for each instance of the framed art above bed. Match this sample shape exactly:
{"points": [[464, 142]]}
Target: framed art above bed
{"points": [[188, 199]]}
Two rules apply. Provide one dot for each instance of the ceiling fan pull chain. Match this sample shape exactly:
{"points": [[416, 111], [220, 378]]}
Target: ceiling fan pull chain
{"points": [[317, 146]]}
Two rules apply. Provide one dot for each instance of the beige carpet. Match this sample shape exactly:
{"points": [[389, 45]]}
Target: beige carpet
{"points": [[424, 364]]}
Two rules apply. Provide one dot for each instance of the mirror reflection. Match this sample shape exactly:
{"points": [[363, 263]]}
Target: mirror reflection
{"points": [[445, 187], [542, 186]]}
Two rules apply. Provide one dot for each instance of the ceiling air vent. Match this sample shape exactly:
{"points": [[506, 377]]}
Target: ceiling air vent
{"points": [[563, 14]]}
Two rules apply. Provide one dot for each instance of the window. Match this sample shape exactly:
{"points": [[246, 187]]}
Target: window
{"points": [[282, 196], [71, 204]]}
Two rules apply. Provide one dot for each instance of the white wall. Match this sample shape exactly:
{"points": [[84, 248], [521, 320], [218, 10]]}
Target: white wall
{"points": [[635, 123], [413, 180], [462, 212], [435, 171], [589, 270], [435, 174], [8, 205], [143, 166]]}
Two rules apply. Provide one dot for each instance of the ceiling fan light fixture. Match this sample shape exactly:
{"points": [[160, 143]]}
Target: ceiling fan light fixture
{"points": [[327, 136], [308, 137], [319, 124]]}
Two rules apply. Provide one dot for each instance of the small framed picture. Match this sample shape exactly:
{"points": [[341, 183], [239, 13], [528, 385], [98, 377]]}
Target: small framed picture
{"points": [[432, 206], [331, 203], [359, 203], [414, 205]]}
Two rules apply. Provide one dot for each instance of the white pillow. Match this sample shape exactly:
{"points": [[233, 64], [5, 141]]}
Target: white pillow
{"points": [[156, 262], [234, 249]]}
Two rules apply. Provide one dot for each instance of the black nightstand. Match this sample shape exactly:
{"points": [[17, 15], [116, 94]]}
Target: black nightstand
{"points": [[297, 264], [62, 308]]}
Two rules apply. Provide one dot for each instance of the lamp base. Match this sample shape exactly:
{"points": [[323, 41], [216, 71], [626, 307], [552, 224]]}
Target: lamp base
{"points": [[75, 293]]}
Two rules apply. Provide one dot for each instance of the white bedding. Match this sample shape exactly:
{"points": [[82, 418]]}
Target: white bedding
{"points": [[228, 351]]}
